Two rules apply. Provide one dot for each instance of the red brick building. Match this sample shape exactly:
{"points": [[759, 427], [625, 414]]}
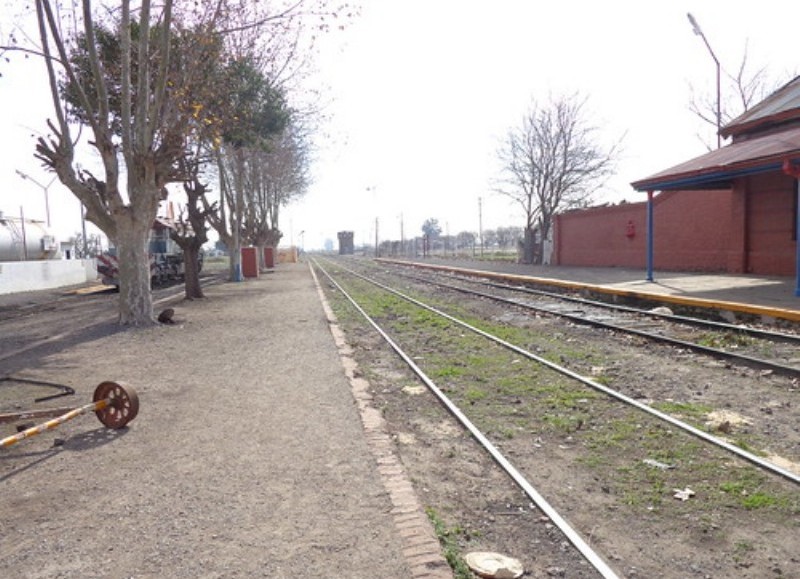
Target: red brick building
{"points": [[732, 210]]}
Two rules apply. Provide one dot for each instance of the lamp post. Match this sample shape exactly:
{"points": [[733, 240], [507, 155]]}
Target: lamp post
{"points": [[43, 188], [698, 31], [480, 223], [372, 189], [85, 245]]}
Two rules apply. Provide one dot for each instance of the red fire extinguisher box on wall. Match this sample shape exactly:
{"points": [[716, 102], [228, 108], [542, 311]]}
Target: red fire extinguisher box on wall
{"points": [[249, 262]]}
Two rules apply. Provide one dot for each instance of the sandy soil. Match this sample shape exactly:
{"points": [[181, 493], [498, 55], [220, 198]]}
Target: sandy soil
{"points": [[247, 459]]}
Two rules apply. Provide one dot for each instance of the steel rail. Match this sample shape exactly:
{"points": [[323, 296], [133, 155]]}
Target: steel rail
{"points": [[698, 322], [715, 352], [572, 535], [750, 457]]}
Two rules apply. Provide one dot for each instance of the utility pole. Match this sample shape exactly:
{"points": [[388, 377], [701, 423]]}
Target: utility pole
{"points": [[377, 252], [24, 237], [402, 237], [85, 248], [480, 223]]}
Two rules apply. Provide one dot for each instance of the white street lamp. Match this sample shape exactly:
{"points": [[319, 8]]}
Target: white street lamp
{"points": [[698, 31], [43, 188]]}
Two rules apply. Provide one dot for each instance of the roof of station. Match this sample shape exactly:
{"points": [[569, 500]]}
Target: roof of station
{"points": [[780, 107], [764, 138]]}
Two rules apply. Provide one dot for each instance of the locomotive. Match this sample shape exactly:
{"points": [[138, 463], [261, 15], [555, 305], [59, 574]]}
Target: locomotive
{"points": [[166, 257]]}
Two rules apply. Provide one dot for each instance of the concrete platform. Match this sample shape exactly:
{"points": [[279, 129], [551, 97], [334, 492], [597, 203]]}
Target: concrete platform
{"points": [[760, 296]]}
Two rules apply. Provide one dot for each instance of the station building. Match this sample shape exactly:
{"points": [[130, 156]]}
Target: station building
{"points": [[732, 210]]}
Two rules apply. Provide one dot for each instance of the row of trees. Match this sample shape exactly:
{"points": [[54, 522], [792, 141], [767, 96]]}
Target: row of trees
{"points": [[503, 238], [178, 93]]}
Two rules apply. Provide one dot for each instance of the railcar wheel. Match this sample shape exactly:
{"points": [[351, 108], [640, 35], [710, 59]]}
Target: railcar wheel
{"points": [[123, 404]]}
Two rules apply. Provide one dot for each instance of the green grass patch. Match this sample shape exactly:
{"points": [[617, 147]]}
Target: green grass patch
{"points": [[474, 394], [686, 409], [729, 340], [448, 539], [748, 490]]}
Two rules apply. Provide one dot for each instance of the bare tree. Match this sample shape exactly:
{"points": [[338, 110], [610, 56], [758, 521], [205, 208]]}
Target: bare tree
{"points": [[191, 232], [489, 238], [740, 91], [507, 236], [552, 162], [466, 240], [85, 248]]}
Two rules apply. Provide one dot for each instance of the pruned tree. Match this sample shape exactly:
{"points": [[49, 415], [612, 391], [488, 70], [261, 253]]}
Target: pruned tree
{"points": [[191, 231], [254, 112], [552, 162], [137, 122], [275, 176], [115, 74], [269, 54]]}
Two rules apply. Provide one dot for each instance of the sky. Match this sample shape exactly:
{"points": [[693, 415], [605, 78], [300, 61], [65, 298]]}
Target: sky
{"points": [[422, 93]]}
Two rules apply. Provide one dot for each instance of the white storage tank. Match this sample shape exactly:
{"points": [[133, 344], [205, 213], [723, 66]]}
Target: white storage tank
{"points": [[30, 240]]}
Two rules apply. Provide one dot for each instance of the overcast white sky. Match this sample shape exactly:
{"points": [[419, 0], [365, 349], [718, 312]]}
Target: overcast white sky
{"points": [[423, 91]]}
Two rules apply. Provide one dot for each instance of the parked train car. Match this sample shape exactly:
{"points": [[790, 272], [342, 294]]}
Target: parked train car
{"points": [[25, 240], [166, 257]]}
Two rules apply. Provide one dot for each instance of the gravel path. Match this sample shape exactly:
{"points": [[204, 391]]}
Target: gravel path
{"points": [[248, 457]]}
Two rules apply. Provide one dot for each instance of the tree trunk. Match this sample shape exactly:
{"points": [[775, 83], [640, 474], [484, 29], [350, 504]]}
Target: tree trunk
{"points": [[528, 247], [228, 241], [135, 297], [192, 287], [262, 263]]}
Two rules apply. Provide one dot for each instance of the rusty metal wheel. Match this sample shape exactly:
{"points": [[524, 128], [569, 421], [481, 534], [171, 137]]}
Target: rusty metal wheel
{"points": [[123, 404]]}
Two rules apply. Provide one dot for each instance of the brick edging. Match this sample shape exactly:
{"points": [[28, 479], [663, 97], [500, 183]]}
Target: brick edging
{"points": [[419, 543]]}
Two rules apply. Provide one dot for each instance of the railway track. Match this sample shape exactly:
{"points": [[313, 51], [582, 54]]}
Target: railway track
{"points": [[763, 349], [638, 452]]}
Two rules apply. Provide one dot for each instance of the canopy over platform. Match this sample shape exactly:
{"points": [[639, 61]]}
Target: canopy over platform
{"points": [[718, 169]]}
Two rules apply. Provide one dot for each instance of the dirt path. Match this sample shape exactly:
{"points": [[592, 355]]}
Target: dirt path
{"points": [[247, 458]]}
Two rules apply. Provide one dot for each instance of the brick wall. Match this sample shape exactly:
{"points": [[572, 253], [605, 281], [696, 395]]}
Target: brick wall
{"points": [[747, 229], [770, 210], [691, 233]]}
